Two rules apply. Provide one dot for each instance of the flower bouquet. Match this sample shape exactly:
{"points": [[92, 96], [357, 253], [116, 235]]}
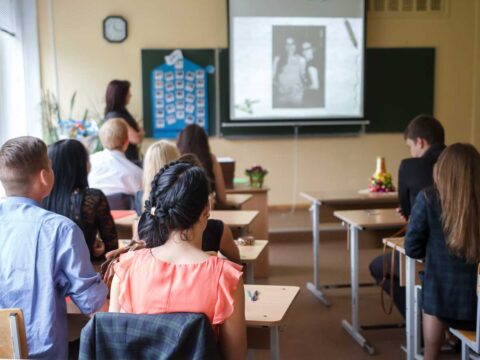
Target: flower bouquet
{"points": [[256, 175], [381, 181]]}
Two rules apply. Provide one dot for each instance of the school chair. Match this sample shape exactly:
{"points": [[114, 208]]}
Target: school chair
{"points": [[120, 201], [13, 340], [470, 339], [158, 336]]}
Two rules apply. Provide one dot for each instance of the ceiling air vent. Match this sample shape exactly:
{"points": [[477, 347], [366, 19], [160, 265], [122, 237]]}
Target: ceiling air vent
{"points": [[418, 8], [393, 5]]}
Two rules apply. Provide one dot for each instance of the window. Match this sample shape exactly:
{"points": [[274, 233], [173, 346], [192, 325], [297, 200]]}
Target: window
{"points": [[19, 70]]}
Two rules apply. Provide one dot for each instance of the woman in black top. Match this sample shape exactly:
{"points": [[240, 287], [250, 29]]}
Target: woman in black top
{"points": [[72, 197], [117, 98]]}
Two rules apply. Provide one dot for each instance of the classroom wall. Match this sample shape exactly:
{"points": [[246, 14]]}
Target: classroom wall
{"points": [[86, 63]]}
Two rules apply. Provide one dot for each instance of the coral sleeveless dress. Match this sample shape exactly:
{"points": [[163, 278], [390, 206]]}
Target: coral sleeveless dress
{"points": [[151, 286]]}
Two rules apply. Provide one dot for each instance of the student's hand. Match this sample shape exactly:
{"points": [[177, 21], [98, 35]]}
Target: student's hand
{"points": [[98, 248]]}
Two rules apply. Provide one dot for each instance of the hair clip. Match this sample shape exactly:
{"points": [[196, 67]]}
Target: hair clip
{"points": [[152, 210]]}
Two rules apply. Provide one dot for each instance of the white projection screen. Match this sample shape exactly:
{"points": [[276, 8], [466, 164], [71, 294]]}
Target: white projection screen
{"points": [[296, 59]]}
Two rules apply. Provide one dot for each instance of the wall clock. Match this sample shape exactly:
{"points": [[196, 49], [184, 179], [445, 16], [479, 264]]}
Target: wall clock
{"points": [[115, 29]]}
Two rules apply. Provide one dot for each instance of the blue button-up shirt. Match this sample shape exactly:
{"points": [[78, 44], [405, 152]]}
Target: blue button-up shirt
{"points": [[43, 259]]}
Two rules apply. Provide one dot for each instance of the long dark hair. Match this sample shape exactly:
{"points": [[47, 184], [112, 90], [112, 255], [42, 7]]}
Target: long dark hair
{"points": [[116, 96], [179, 194], [69, 163], [457, 178], [193, 140]]}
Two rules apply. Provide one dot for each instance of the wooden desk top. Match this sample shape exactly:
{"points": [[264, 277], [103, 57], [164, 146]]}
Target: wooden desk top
{"points": [[349, 197], [232, 218], [272, 304], [250, 253], [396, 243], [127, 220], [246, 189], [235, 218], [269, 310], [238, 200], [371, 219]]}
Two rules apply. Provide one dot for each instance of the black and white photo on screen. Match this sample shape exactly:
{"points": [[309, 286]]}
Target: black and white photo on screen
{"points": [[298, 66]]}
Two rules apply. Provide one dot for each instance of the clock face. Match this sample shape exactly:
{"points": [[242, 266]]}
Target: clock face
{"points": [[115, 29]]}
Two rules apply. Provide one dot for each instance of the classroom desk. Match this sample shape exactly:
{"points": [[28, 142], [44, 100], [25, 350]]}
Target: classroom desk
{"points": [[269, 310], [412, 312], [249, 255], [357, 220], [240, 219], [342, 200], [259, 227], [237, 201]]}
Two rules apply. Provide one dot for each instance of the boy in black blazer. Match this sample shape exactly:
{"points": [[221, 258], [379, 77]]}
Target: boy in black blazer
{"points": [[425, 138]]}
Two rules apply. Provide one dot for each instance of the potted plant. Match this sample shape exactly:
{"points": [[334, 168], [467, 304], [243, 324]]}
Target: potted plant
{"points": [[256, 175], [57, 127]]}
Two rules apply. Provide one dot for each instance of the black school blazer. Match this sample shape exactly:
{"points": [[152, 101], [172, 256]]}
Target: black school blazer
{"points": [[415, 174], [449, 284]]}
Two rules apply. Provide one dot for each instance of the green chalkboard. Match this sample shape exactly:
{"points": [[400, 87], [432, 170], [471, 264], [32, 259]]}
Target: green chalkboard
{"points": [[399, 84]]}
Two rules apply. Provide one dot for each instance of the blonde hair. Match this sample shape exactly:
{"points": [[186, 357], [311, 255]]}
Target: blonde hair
{"points": [[457, 179], [157, 156], [114, 133]]}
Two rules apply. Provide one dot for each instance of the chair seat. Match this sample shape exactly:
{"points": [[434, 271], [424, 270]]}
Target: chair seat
{"points": [[467, 336]]}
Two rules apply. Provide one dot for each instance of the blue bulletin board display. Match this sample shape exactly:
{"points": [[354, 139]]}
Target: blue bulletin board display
{"points": [[179, 96]]}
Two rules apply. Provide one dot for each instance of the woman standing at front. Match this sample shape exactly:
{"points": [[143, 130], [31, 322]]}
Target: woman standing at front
{"points": [[116, 99]]}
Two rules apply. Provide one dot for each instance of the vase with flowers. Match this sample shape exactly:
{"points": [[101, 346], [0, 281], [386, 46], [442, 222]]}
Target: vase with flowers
{"points": [[256, 174]]}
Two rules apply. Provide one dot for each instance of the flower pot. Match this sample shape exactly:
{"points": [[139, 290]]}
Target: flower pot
{"points": [[256, 181]]}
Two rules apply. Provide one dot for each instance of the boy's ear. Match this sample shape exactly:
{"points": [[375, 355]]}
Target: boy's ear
{"points": [[422, 142], [46, 179]]}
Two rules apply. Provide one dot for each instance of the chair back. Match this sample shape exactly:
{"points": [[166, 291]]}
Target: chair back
{"points": [[162, 336], [13, 339], [120, 201], [477, 328]]}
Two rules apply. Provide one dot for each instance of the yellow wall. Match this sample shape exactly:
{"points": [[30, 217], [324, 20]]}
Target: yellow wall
{"points": [[86, 62]]}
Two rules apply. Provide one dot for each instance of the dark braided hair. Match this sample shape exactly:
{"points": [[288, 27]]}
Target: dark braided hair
{"points": [[179, 194]]}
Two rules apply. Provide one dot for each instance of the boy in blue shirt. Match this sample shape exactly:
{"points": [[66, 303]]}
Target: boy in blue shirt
{"points": [[43, 256]]}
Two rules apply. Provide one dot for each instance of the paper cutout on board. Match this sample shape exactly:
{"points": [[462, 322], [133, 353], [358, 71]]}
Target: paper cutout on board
{"points": [[179, 95]]}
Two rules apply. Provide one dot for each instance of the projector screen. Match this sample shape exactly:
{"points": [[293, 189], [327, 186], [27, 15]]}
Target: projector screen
{"points": [[296, 59]]}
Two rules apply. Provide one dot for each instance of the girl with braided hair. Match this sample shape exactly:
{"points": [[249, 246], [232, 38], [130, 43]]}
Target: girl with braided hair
{"points": [[173, 274]]}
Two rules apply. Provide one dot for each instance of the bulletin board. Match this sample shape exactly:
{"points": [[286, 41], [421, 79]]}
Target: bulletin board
{"points": [[177, 90]]}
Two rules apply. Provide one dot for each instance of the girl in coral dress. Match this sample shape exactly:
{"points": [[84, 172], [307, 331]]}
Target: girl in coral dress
{"points": [[172, 274]]}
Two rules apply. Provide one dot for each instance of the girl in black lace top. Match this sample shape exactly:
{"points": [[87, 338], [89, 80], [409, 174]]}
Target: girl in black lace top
{"points": [[72, 197]]}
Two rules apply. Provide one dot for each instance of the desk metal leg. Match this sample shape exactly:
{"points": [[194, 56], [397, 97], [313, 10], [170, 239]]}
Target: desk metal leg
{"points": [[274, 343], [315, 287], [354, 328], [465, 351], [410, 306], [249, 273]]}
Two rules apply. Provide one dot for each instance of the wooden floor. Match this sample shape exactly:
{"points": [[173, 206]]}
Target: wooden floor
{"points": [[312, 331]]}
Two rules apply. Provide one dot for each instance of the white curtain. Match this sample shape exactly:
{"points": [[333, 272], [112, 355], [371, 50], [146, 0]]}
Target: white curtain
{"points": [[19, 70]]}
